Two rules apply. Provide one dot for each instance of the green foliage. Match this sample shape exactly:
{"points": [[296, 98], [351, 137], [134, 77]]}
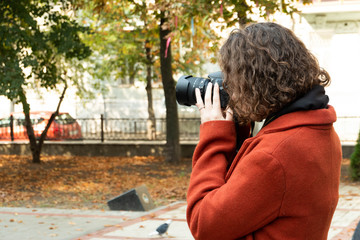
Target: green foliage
{"points": [[238, 12], [118, 53], [35, 37], [355, 161], [121, 28], [38, 39]]}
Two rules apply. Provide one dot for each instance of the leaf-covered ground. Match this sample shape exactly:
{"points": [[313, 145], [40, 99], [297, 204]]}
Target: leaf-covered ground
{"points": [[88, 182]]}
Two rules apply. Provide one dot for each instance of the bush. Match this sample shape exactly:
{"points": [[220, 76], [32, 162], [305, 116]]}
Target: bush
{"points": [[355, 161]]}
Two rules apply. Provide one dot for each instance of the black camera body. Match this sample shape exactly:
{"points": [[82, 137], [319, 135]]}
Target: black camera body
{"points": [[186, 85]]}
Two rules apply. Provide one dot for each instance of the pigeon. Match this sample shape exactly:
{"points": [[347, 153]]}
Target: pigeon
{"points": [[162, 229]]}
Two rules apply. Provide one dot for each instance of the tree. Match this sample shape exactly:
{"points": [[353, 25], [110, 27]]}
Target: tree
{"points": [[128, 33], [123, 42], [37, 40], [355, 161], [231, 12], [173, 150], [184, 36], [177, 21]]}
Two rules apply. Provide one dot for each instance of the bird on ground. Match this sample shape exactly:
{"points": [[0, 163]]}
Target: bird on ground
{"points": [[162, 229]]}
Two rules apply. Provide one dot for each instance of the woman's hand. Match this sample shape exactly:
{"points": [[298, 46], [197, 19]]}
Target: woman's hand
{"points": [[211, 110]]}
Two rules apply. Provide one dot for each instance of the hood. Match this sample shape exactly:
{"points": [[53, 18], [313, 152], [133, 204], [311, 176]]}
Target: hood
{"points": [[314, 99], [311, 109]]}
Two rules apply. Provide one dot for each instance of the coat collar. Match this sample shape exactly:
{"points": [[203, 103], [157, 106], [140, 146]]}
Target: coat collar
{"points": [[325, 116]]}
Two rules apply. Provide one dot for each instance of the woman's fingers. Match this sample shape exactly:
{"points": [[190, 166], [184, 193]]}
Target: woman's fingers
{"points": [[208, 94], [210, 108], [216, 97], [199, 101]]}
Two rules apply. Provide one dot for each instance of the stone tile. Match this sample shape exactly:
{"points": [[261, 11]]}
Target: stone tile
{"points": [[345, 219], [179, 213], [333, 232], [177, 230], [349, 202]]}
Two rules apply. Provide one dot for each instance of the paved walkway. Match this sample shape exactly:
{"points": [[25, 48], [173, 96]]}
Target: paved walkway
{"points": [[57, 224]]}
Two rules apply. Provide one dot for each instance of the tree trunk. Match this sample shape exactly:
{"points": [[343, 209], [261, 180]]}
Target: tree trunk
{"points": [[36, 146], [151, 130], [172, 151]]}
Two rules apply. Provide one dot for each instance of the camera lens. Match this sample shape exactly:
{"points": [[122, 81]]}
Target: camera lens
{"points": [[185, 89], [186, 85]]}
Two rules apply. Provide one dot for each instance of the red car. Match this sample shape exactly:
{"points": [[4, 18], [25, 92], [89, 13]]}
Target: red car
{"points": [[64, 127]]}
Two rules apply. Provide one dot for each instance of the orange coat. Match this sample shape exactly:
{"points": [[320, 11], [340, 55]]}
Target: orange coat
{"points": [[282, 184]]}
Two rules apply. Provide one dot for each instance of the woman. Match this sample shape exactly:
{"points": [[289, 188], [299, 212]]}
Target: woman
{"points": [[283, 182]]}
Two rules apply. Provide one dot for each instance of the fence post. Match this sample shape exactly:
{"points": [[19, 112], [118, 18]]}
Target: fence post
{"points": [[102, 127], [12, 127]]}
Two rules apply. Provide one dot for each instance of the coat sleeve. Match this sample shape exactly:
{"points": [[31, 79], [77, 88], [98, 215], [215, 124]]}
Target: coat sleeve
{"points": [[233, 208]]}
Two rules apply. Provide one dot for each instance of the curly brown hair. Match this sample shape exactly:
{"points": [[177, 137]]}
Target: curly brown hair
{"points": [[266, 67]]}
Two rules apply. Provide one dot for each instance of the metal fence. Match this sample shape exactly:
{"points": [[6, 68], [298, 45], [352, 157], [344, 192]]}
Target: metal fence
{"points": [[103, 129], [114, 129], [134, 129]]}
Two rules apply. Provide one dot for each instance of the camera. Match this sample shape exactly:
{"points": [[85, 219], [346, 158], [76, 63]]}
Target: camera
{"points": [[186, 85]]}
